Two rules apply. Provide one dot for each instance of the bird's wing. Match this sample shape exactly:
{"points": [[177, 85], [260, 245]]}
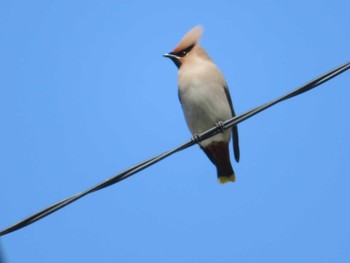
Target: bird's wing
{"points": [[179, 95], [235, 128]]}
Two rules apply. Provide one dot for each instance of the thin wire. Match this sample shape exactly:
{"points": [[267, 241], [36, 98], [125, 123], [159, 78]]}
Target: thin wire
{"points": [[198, 138]]}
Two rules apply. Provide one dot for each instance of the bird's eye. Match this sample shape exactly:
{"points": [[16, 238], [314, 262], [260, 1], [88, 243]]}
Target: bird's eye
{"points": [[185, 51]]}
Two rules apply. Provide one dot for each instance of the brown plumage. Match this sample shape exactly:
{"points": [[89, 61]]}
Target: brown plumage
{"points": [[205, 100], [192, 37]]}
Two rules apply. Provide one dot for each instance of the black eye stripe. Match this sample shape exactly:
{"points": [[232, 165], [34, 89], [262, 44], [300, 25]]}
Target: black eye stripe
{"points": [[184, 52]]}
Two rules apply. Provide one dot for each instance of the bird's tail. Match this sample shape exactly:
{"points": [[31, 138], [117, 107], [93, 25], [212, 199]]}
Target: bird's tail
{"points": [[219, 154], [225, 179], [225, 173]]}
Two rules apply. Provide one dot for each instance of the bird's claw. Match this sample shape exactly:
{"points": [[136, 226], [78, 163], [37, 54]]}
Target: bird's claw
{"points": [[195, 138], [220, 126]]}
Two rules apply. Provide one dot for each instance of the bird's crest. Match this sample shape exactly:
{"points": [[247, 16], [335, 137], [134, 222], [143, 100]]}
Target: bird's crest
{"points": [[191, 38]]}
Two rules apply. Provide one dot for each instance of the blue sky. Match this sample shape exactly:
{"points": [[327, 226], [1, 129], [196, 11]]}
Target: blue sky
{"points": [[85, 93]]}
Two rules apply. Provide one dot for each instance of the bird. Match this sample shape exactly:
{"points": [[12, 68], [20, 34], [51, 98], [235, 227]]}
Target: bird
{"points": [[205, 101]]}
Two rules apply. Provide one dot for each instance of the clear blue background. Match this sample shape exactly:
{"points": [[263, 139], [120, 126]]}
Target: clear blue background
{"points": [[85, 93]]}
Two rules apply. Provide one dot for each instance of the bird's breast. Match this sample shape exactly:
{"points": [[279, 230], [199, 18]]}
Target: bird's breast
{"points": [[204, 101]]}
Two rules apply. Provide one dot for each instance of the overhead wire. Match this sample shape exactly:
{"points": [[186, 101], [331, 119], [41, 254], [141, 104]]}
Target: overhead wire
{"points": [[196, 139]]}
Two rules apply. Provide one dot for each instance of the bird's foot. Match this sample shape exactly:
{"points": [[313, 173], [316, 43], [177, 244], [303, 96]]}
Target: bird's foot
{"points": [[196, 138], [220, 126]]}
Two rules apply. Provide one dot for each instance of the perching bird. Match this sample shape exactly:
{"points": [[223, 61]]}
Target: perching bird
{"points": [[205, 100]]}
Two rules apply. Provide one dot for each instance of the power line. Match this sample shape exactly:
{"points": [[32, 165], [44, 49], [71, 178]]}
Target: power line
{"points": [[198, 138]]}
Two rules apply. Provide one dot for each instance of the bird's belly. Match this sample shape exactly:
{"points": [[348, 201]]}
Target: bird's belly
{"points": [[204, 108]]}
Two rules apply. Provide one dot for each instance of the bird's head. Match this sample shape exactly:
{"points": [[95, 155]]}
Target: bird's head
{"points": [[187, 46]]}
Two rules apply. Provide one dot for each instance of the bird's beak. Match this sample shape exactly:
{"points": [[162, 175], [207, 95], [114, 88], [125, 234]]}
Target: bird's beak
{"points": [[171, 56], [174, 58]]}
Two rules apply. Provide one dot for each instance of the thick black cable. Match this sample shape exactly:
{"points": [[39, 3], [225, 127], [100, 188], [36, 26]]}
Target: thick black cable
{"points": [[306, 87], [198, 138]]}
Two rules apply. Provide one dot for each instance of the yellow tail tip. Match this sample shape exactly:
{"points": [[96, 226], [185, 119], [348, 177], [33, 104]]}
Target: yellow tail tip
{"points": [[226, 179]]}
